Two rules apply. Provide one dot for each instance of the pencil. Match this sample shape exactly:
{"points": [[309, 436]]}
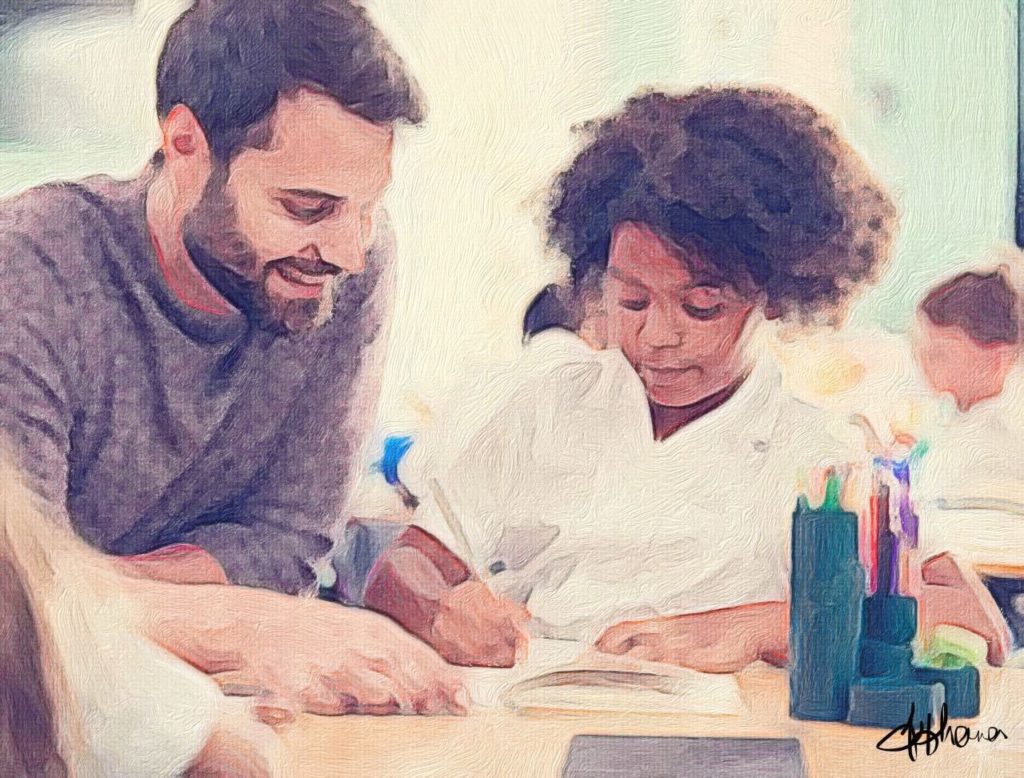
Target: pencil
{"points": [[454, 526]]}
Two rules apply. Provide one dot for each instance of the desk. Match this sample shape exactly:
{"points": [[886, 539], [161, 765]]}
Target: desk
{"points": [[500, 743]]}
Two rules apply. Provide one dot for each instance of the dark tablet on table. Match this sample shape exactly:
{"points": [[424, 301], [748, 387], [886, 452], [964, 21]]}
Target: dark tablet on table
{"points": [[612, 756]]}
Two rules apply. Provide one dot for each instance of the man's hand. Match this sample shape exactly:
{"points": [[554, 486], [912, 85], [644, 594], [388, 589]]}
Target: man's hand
{"points": [[722, 641], [301, 654], [955, 595], [334, 661], [180, 563], [474, 628]]}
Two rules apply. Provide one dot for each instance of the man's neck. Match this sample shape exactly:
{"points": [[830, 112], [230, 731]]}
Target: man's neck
{"points": [[165, 219]]}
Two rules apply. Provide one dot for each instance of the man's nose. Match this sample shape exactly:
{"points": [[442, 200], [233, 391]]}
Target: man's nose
{"points": [[346, 251]]}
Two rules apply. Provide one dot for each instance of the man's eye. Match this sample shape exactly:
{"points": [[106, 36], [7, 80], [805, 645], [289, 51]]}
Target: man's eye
{"points": [[704, 314], [633, 305], [309, 213]]}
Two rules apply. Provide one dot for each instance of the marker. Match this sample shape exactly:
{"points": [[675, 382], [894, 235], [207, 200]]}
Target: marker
{"points": [[871, 539], [888, 546]]}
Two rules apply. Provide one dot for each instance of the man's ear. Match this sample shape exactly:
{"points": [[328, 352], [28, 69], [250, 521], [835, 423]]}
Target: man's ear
{"points": [[186, 151], [183, 136]]}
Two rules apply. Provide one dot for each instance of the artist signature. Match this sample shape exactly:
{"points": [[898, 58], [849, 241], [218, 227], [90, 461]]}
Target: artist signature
{"points": [[929, 739]]}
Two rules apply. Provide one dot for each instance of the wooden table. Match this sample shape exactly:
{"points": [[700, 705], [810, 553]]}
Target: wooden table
{"points": [[503, 743]]}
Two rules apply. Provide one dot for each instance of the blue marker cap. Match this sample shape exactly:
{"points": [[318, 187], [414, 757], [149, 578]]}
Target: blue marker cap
{"points": [[395, 447]]}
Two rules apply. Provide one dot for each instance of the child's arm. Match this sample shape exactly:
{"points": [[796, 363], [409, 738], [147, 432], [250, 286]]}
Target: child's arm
{"points": [[406, 573]]}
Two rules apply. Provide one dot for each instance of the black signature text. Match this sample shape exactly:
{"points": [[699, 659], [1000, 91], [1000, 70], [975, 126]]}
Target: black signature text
{"points": [[910, 739]]}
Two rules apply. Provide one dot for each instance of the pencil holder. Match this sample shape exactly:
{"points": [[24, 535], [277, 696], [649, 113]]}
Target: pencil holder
{"points": [[826, 593]]}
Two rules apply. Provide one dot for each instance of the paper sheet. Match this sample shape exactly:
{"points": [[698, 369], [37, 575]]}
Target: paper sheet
{"points": [[572, 676]]}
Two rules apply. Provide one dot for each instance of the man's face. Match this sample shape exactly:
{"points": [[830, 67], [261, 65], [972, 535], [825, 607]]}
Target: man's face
{"points": [[290, 220], [679, 328]]}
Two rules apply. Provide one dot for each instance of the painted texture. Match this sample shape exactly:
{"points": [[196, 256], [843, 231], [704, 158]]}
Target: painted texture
{"points": [[506, 83], [925, 94]]}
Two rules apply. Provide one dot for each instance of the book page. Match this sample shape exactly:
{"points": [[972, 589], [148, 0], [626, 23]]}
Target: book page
{"points": [[573, 676]]}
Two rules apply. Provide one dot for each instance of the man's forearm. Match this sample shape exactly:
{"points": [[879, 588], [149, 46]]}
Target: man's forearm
{"points": [[262, 553], [202, 624]]}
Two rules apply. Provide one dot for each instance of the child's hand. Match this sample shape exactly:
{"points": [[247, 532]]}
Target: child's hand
{"points": [[952, 594], [721, 641], [474, 628]]}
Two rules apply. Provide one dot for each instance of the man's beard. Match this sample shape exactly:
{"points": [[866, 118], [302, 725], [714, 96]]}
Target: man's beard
{"points": [[227, 260]]}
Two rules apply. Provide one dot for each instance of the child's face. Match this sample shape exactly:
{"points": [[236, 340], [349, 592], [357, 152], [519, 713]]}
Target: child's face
{"points": [[955, 364], [679, 327]]}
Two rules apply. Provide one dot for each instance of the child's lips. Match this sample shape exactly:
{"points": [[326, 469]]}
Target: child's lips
{"points": [[669, 370]]}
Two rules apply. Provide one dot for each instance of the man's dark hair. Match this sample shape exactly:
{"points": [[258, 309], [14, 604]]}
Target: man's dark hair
{"points": [[755, 180], [984, 306], [229, 61]]}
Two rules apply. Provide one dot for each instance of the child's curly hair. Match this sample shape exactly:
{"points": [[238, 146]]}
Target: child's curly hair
{"points": [[755, 179]]}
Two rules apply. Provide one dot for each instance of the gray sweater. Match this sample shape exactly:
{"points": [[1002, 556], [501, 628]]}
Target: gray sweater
{"points": [[145, 422]]}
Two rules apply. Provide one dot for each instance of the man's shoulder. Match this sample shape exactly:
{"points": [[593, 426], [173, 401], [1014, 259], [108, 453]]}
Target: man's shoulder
{"points": [[57, 230]]}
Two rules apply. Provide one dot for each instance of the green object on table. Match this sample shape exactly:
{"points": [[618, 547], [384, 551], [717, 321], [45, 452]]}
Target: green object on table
{"points": [[952, 648]]}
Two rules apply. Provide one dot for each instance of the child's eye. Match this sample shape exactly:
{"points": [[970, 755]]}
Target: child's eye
{"points": [[633, 305], [704, 314], [703, 302]]}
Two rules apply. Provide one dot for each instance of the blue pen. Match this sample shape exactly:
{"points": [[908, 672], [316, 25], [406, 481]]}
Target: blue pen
{"points": [[395, 448]]}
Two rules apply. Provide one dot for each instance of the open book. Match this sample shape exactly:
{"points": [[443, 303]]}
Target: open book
{"points": [[563, 675]]}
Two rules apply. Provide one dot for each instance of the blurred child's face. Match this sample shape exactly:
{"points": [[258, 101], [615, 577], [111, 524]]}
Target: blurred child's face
{"points": [[677, 324], [954, 363]]}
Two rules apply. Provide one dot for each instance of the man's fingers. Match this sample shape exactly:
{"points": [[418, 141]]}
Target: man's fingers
{"points": [[275, 710], [433, 674], [522, 646], [407, 673], [611, 639], [241, 683], [442, 700], [376, 694], [941, 570], [956, 595]]}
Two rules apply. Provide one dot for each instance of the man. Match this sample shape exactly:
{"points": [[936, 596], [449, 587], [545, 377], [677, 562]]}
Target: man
{"points": [[186, 359]]}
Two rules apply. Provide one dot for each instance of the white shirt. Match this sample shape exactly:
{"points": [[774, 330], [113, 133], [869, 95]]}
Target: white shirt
{"points": [[970, 488], [593, 519]]}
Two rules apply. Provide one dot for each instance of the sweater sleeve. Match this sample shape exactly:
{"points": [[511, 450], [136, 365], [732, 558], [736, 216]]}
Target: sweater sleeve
{"points": [[38, 355]]}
